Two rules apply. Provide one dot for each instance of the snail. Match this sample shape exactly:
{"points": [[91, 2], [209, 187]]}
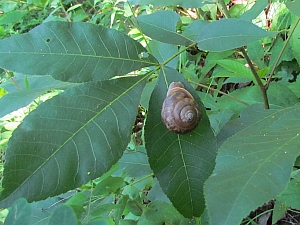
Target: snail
{"points": [[180, 112]]}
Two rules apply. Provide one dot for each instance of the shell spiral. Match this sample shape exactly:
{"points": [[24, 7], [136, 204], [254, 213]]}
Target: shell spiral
{"points": [[180, 112]]}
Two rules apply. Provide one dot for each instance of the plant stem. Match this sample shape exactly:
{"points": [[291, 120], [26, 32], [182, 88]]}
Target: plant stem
{"points": [[222, 7], [257, 78], [135, 22], [143, 178], [177, 54], [281, 53], [65, 12], [15, 83], [220, 92], [259, 215]]}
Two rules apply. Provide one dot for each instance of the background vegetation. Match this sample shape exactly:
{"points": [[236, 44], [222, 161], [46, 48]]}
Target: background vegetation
{"points": [[82, 85]]}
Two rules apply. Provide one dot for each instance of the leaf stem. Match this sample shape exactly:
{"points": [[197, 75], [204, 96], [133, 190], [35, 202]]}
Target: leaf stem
{"points": [[257, 78], [15, 83], [65, 12], [135, 22], [177, 54], [259, 215], [141, 179], [281, 53], [220, 92], [222, 7]]}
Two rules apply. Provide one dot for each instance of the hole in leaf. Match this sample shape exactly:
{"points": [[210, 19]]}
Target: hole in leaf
{"points": [[48, 40]]}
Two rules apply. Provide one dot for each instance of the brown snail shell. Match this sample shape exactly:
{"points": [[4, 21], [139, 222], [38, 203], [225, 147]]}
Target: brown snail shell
{"points": [[180, 112]]}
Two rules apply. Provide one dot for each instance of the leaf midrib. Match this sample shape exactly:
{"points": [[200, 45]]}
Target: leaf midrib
{"points": [[76, 55], [71, 137], [262, 164]]}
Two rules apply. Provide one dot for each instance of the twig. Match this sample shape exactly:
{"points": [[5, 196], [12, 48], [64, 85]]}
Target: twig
{"points": [[12, 79], [135, 22], [222, 6], [65, 12], [15, 83], [258, 80], [281, 53], [220, 92]]}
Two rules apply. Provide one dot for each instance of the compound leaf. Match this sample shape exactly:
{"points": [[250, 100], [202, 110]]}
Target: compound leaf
{"points": [[70, 139], [254, 163], [73, 52], [225, 34], [161, 26], [38, 85]]}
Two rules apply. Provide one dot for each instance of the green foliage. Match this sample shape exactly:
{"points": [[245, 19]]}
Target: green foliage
{"points": [[176, 155], [24, 94], [90, 146], [19, 213], [255, 168], [92, 141], [100, 55]]}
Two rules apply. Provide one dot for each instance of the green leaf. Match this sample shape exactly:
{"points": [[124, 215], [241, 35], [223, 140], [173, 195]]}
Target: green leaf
{"points": [[293, 6], [193, 29], [227, 34], [63, 215], [19, 213], [74, 52], [236, 67], [101, 221], [128, 222], [237, 10], [132, 192], [135, 164], [254, 163], [156, 193], [291, 194], [161, 26], [295, 88], [255, 10], [278, 211], [34, 82], [135, 207], [256, 54], [183, 3], [220, 118], [211, 58], [181, 163], [2, 93], [279, 96], [161, 212], [117, 214], [103, 208], [162, 52], [78, 199], [12, 17], [288, 55], [294, 41], [17, 99], [108, 186], [147, 93], [42, 210], [70, 139]]}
